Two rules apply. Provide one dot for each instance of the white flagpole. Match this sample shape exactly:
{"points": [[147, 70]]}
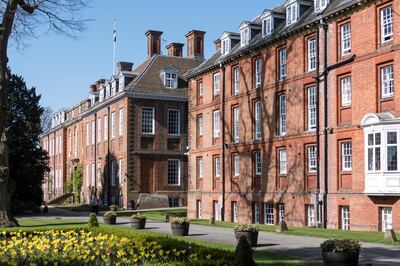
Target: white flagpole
{"points": [[114, 44]]}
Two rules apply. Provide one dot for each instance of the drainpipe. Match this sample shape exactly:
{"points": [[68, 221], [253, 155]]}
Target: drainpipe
{"points": [[54, 163], [108, 158], [223, 142], [95, 154], [325, 27], [317, 129]]}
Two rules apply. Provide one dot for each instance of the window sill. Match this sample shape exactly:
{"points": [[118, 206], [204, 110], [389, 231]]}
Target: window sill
{"points": [[310, 131], [173, 185], [147, 135], [174, 136], [388, 98]]}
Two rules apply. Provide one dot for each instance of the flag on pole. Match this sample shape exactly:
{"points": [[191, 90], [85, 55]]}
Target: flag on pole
{"points": [[114, 44], [115, 31]]}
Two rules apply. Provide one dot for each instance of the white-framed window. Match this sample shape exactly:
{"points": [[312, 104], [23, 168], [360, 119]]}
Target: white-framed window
{"points": [[245, 36], [282, 161], [174, 122], [234, 211], [281, 211], [374, 144], [236, 76], [345, 91], [113, 125], [171, 80], [225, 45], [121, 171], [256, 212], [98, 130], [312, 54], [387, 81], [391, 150], [282, 64], [174, 172], [147, 120], [76, 134], [386, 24], [269, 214], [346, 156], [216, 84], [198, 208], [257, 163], [105, 127], [200, 88], [87, 175], [345, 32], [99, 174], [200, 166], [312, 158], [320, 5], [93, 132], [312, 108], [87, 134], [257, 120], [345, 217], [217, 166], [216, 210], [310, 215], [386, 216], [258, 72], [236, 165], [200, 126], [113, 173], [282, 115], [121, 122], [93, 175], [292, 14], [216, 123], [267, 26], [235, 111]]}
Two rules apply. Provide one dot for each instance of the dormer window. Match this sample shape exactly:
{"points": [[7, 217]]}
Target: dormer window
{"points": [[267, 26], [101, 97], [114, 85], [171, 80], [245, 36], [108, 90], [121, 83], [320, 5], [225, 46], [292, 13]]}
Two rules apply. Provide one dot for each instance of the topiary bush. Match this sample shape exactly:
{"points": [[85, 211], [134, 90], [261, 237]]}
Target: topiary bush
{"points": [[93, 222], [244, 253], [341, 245]]}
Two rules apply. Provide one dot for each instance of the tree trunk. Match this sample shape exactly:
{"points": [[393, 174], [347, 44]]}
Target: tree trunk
{"points": [[7, 186]]}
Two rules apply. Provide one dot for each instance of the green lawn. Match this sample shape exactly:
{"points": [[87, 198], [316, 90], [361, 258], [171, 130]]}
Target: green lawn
{"points": [[261, 257], [372, 237]]}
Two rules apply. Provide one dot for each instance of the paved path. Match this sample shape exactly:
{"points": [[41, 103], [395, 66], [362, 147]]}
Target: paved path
{"points": [[302, 247]]}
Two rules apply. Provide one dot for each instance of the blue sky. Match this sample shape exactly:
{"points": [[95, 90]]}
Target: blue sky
{"points": [[62, 69]]}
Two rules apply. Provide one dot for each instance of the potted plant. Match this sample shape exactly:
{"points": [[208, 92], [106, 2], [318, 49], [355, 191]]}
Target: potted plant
{"points": [[249, 231], [340, 252], [138, 221], [180, 226], [113, 208], [110, 217]]}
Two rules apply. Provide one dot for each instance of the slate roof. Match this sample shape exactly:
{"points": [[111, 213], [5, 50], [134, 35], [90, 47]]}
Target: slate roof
{"points": [[308, 18]]}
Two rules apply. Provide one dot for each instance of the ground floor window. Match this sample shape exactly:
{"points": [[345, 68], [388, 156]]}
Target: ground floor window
{"points": [[256, 211], [198, 209], [310, 215], [386, 217], [173, 202], [234, 211], [269, 213], [174, 172], [281, 210], [216, 210], [345, 217]]}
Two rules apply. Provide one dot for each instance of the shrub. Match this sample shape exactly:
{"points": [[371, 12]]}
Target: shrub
{"points": [[341, 245], [138, 216], [110, 214], [245, 228], [93, 222], [244, 253], [179, 220]]}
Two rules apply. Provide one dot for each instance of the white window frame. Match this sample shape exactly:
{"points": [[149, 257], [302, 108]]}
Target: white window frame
{"points": [[216, 209], [99, 130], [113, 125], [217, 166], [257, 163], [312, 108], [312, 54], [256, 212], [269, 214], [87, 175], [121, 122], [282, 115], [310, 214], [216, 123], [199, 210], [216, 84], [225, 46], [258, 72], [200, 166], [148, 125], [345, 33], [93, 175], [282, 64], [200, 125], [234, 211], [267, 25], [345, 91], [282, 161], [113, 173], [312, 159], [174, 116], [386, 19], [281, 212], [387, 81], [320, 5], [236, 164], [105, 127], [292, 14], [345, 217], [245, 36], [200, 88], [171, 80], [235, 111], [257, 120], [93, 132], [346, 148], [236, 77], [387, 218], [374, 147], [121, 171], [87, 134], [174, 181]]}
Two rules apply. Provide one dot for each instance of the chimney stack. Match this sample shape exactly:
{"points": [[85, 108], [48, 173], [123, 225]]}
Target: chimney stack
{"points": [[217, 43], [153, 42], [175, 49], [195, 44], [124, 66]]}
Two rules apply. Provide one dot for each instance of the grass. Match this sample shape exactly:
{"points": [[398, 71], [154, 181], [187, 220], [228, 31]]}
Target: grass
{"points": [[370, 237], [261, 257]]}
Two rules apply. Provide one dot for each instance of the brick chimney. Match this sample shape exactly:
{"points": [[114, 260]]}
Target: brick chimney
{"points": [[175, 49], [217, 43], [153, 42], [195, 44], [124, 66]]}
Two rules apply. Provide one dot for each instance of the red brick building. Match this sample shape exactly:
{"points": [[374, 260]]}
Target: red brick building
{"points": [[129, 135], [295, 118]]}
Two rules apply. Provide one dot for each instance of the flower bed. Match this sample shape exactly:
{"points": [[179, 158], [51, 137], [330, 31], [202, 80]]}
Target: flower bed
{"points": [[83, 247]]}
